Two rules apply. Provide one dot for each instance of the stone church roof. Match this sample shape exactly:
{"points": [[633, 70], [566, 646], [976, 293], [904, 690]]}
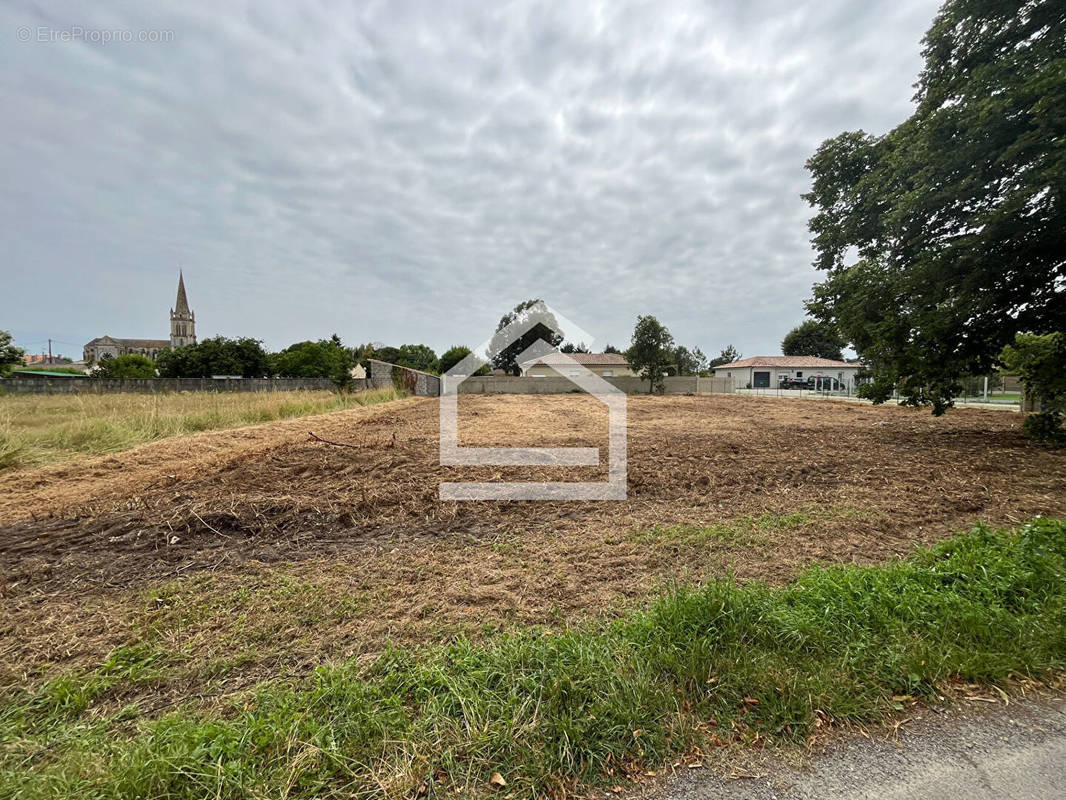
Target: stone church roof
{"points": [[147, 344]]}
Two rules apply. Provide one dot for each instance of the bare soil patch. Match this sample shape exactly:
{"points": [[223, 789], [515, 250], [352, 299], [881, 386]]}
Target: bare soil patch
{"points": [[270, 550]]}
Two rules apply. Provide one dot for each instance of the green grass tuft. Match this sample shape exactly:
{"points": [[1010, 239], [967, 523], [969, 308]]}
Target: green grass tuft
{"points": [[742, 530]]}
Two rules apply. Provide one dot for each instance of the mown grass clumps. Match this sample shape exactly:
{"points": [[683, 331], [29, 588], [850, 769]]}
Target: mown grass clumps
{"points": [[744, 530], [37, 429], [548, 709]]}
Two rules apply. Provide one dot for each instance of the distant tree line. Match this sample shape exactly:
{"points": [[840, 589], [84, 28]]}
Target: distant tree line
{"points": [[245, 357]]}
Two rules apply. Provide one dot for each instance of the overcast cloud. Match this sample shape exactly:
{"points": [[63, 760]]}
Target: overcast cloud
{"points": [[407, 172]]}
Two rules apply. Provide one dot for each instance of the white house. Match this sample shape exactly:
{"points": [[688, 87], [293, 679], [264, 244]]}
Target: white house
{"points": [[768, 372]]}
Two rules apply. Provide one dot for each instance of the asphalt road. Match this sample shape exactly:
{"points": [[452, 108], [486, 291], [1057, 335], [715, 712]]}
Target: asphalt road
{"points": [[973, 752]]}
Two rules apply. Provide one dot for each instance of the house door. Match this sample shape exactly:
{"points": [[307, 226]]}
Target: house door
{"points": [[761, 380]]}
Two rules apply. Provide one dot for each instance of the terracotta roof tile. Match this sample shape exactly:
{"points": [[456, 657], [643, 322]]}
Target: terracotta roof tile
{"points": [[591, 359], [786, 361]]}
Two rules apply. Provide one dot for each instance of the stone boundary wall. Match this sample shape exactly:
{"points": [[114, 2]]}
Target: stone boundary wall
{"points": [[384, 375], [74, 385], [496, 384]]}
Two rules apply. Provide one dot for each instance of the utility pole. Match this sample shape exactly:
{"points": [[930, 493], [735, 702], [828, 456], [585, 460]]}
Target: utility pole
{"points": [[50, 351]]}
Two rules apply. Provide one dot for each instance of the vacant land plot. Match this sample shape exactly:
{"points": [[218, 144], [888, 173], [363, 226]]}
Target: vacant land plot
{"points": [[240, 537], [212, 561], [38, 429]]}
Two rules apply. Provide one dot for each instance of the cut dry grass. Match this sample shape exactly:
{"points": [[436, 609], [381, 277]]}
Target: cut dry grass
{"points": [[38, 429]]}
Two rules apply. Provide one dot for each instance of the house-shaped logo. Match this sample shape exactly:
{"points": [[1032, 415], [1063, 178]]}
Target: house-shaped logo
{"points": [[451, 454]]}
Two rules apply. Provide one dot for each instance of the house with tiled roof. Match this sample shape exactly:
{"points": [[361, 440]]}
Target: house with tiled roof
{"points": [[606, 365], [770, 372]]}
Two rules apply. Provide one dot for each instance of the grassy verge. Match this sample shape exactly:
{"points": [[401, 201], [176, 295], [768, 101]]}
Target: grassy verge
{"points": [[701, 665], [36, 429]]}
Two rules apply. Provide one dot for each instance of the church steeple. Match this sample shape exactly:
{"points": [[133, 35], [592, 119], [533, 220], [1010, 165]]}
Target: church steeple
{"points": [[182, 306], [182, 320]]}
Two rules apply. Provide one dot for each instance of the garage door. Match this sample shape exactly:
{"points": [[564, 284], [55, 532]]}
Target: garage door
{"points": [[761, 380]]}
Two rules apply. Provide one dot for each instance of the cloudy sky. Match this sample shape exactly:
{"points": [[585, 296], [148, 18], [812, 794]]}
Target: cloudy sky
{"points": [[407, 172]]}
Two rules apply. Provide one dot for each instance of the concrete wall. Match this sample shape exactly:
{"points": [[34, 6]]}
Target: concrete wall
{"points": [[510, 385], [385, 376], [77, 385]]}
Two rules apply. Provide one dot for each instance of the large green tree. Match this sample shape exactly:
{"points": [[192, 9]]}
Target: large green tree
{"points": [[453, 355], [813, 338], [651, 351], [504, 354], [689, 362], [10, 356], [217, 356], [944, 238], [326, 358], [418, 356]]}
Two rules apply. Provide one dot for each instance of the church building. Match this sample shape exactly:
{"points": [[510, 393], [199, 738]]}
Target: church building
{"points": [[182, 332]]}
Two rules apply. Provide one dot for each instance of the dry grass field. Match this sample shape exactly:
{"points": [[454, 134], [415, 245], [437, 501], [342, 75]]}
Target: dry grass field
{"points": [[39, 429], [260, 547]]}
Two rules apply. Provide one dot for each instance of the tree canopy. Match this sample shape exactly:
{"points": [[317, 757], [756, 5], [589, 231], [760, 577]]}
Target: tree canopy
{"points": [[10, 356], [570, 347], [689, 362], [813, 338], [1039, 360], [504, 355], [651, 351], [129, 366], [326, 358], [216, 356], [414, 356], [417, 356], [453, 355], [946, 237], [727, 356]]}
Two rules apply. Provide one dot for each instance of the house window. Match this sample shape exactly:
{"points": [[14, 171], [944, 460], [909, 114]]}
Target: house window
{"points": [[799, 373], [608, 373]]}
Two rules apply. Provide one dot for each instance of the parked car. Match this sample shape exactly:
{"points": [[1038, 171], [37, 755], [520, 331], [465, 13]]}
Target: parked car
{"points": [[823, 383], [811, 383]]}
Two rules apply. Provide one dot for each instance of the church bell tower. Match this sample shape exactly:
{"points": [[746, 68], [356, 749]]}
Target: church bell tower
{"points": [[182, 321]]}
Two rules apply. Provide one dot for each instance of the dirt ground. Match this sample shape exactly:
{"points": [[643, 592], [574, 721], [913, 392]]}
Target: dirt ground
{"points": [[269, 550]]}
